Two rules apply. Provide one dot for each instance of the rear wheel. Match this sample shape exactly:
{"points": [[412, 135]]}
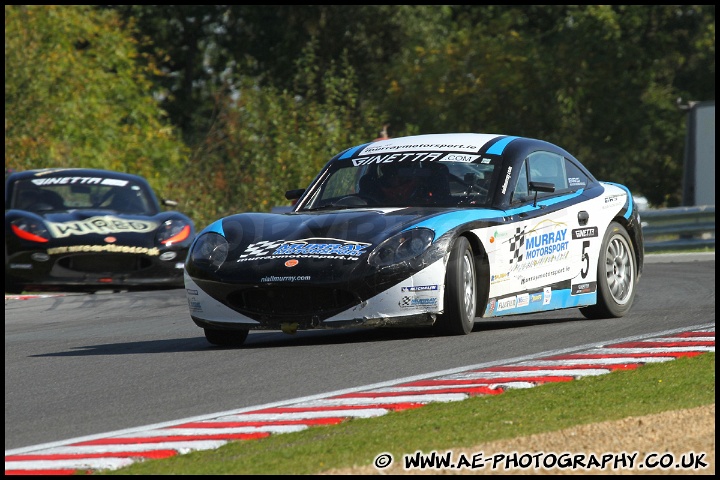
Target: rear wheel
{"points": [[460, 291], [226, 338], [617, 275]]}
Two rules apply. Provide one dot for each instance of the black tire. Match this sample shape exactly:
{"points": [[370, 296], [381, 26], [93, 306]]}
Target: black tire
{"points": [[13, 288], [460, 291], [616, 275], [226, 338]]}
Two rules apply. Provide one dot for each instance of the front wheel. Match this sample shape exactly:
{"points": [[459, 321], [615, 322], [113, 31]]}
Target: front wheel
{"points": [[226, 338], [460, 291], [617, 276]]}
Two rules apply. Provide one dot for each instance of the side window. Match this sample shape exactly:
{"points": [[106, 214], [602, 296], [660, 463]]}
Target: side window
{"points": [[550, 168], [341, 183], [576, 178], [521, 193]]}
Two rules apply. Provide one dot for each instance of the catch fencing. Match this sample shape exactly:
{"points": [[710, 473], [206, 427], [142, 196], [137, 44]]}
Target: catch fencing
{"points": [[680, 228]]}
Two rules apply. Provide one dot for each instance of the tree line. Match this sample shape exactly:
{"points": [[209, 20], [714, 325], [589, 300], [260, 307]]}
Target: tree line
{"points": [[225, 107]]}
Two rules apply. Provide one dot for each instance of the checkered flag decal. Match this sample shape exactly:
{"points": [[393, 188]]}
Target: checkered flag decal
{"points": [[517, 243], [405, 301], [261, 249]]}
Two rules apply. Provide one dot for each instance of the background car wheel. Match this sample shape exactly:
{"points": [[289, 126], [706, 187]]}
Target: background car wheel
{"points": [[460, 291], [617, 275], [12, 287], [226, 338]]}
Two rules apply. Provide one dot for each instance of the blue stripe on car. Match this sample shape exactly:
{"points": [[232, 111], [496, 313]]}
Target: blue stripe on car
{"points": [[561, 298], [500, 145], [444, 222], [215, 227], [629, 200], [351, 151]]}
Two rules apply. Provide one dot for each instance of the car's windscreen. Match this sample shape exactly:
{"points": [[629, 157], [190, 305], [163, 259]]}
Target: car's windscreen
{"points": [[49, 194], [404, 184]]}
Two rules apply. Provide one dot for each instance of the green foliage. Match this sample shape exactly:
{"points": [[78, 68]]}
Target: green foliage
{"points": [[77, 95], [265, 141], [261, 97], [601, 81]]}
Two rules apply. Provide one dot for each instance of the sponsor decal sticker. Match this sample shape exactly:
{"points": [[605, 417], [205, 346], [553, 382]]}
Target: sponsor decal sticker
{"points": [[418, 302], [327, 248], [457, 157], [579, 233], [547, 295], [79, 180], [491, 305], [100, 225], [536, 297], [613, 200], [587, 287], [397, 157], [152, 252], [500, 277], [544, 243], [419, 288], [290, 278], [401, 146], [194, 305], [291, 263], [497, 236], [507, 180], [523, 300], [21, 266], [547, 274], [506, 303]]}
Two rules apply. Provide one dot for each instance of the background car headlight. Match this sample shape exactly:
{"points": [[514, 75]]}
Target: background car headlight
{"points": [[32, 230], [210, 251], [173, 231], [403, 246]]}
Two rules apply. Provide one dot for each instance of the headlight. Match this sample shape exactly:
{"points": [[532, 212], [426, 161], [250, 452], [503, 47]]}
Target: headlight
{"points": [[209, 252], [403, 246], [31, 230], [173, 231]]}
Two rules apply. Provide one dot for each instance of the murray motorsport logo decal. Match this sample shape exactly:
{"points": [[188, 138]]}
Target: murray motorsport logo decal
{"points": [[326, 248], [544, 243]]}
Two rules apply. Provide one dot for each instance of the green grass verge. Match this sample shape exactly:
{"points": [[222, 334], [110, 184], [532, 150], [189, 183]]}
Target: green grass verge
{"points": [[652, 388]]}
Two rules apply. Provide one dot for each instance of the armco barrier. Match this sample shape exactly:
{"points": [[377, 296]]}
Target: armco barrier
{"points": [[680, 228]]}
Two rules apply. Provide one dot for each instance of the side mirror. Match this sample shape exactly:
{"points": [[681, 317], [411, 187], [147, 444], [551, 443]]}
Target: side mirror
{"points": [[540, 187], [294, 194]]}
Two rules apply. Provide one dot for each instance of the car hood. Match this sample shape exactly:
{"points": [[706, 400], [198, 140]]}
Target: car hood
{"points": [[332, 245], [352, 226]]}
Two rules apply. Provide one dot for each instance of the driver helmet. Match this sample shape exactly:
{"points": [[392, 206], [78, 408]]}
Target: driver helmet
{"points": [[398, 181]]}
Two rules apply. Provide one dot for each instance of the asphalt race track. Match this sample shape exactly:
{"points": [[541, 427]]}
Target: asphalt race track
{"points": [[83, 368]]}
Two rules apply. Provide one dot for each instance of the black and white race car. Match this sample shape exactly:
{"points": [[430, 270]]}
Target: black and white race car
{"points": [[430, 231], [90, 230]]}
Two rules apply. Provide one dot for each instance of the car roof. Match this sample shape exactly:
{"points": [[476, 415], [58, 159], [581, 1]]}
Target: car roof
{"points": [[470, 143]]}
